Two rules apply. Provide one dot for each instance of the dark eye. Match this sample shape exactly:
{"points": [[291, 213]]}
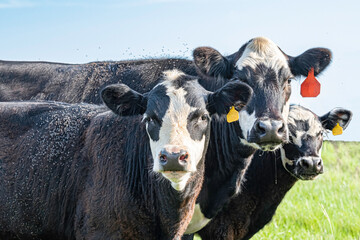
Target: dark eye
{"points": [[319, 134], [289, 80], [238, 106], [203, 118], [151, 120]]}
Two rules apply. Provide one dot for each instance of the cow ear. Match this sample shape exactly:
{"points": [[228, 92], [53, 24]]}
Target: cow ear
{"points": [[123, 101], [211, 63], [317, 58], [337, 115], [234, 93]]}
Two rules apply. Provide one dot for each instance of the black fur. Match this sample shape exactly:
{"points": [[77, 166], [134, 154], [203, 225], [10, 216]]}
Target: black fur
{"points": [[267, 182]]}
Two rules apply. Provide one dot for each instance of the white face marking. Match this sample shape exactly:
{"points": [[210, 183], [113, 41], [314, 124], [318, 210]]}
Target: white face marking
{"points": [[300, 114], [284, 159], [198, 221], [297, 140], [171, 75], [246, 122], [265, 51], [285, 112], [174, 133], [178, 179]]}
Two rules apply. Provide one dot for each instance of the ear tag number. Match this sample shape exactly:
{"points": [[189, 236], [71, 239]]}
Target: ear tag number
{"points": [[337, 130], [310, 87], [233, 115]]}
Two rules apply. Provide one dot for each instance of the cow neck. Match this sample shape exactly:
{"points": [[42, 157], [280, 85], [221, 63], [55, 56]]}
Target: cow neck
{"points": [[225, 163], [267, 182], [172, 208], [268, 172], [225, 153], [254, 206]]}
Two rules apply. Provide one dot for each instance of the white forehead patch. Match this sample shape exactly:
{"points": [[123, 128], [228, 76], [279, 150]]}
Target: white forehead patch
{"points": [[285, 112], [265, 51], [302, 114], [174, 132], [171, 75]]}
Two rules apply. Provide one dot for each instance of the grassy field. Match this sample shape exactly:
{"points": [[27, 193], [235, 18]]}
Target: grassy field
{"points": [[326, 208]]}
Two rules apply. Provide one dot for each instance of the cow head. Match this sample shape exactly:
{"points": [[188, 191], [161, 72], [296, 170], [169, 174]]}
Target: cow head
{"points": [[261, 64], [177, 116], [302, 155]]}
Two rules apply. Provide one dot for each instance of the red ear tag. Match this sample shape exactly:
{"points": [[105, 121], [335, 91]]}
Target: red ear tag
{"points": [[310, 87]]}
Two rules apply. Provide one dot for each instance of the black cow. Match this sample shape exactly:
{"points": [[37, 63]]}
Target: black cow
{"points": [[272, 174], [75, 83], [79, 171]]}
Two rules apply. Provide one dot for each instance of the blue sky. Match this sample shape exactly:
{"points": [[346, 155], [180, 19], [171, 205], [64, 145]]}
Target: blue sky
{"points": [[82, 31]]}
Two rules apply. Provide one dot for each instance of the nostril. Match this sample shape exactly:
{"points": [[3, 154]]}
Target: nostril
{"points": [[163, 159], [183, 158], [304, 164], [261, 127], [319, 164]]}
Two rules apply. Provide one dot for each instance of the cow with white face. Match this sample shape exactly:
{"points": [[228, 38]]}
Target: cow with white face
{"points": [[268, 70], [88, 171], [302, 155], [177, 116]]}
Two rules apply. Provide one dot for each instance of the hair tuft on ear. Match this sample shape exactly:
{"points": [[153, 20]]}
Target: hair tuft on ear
{"points": [[317, 58], [234, 93], [123, 101], [337, 115], [210, 63]]}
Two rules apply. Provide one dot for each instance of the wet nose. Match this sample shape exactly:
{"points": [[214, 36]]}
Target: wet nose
{"points": [[312, 165], [270, 131], [174, 160]]}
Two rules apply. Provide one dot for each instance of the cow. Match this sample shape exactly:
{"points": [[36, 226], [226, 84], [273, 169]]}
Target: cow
{"points": [[261, 125], [272, 174], [75, 83], [78, 171]]}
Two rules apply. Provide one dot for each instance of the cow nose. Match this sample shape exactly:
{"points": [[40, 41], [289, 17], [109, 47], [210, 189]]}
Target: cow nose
{"points": [[312, 165], [174, 161], [270, 131]]}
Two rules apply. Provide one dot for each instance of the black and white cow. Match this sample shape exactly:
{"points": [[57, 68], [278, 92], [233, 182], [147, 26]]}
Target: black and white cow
{"points": [[272, 174], [262, 123], [269, 71], [80, 171]]}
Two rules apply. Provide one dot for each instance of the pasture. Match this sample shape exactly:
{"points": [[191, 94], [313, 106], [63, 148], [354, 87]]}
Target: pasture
{"points": [[326, 208]]}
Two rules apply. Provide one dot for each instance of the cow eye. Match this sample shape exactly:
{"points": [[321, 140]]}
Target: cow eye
{"points": [[151, 120], [204, 118]]}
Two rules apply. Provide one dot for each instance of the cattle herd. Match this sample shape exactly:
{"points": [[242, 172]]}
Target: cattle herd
{"points": [[143, 150]]}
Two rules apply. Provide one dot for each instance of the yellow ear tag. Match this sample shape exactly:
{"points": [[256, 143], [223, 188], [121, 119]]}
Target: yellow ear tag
{"points": [[232, 115], [337, 130]]}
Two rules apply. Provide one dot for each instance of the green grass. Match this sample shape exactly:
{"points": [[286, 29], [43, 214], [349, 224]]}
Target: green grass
{"points": [[326, 208]]}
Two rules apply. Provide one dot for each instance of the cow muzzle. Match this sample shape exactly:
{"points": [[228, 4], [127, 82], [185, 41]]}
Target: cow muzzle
{"points": [[309, 167], [269, 134], [174, 159]]}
